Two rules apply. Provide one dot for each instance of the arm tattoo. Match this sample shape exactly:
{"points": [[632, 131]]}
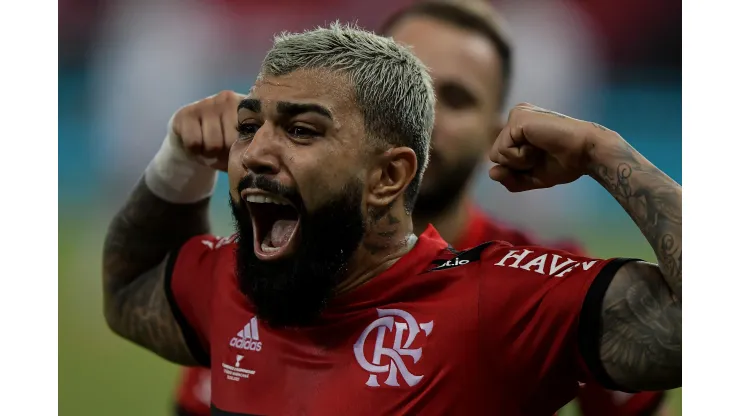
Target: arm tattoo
{"points": [[641, 340], [651, 198], [641, 315], [138, 241]]}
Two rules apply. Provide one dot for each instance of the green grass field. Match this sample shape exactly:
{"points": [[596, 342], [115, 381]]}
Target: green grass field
{"points": [[100, 374]]}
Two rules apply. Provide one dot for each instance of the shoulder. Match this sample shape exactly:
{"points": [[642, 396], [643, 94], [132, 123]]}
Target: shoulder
{"points": [[215, 243], [201, 261], [205, 248], [534, 261], [549, 281], [533, 274]]}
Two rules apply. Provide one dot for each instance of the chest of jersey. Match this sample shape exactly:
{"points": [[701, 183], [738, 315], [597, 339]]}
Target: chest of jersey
{"points": [[387, 359]]}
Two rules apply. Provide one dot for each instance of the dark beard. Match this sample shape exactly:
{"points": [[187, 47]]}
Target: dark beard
{"points": [[451, 180], [293, 292]]}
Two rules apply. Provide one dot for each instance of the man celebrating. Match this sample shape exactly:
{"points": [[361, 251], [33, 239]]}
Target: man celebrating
{"points": [[469, 55], [325, 301]]}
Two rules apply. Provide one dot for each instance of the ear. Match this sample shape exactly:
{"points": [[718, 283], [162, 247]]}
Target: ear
{"points": [[391, 175]]}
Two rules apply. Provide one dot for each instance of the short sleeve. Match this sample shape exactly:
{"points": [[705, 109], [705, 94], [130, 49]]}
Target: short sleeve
{"points": [[189, 284], [531, 303]]}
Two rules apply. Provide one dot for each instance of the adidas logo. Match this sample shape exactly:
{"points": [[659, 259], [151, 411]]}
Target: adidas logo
{"points": [[248, 337]]}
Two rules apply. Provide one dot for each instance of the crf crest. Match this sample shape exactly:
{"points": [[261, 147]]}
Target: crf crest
{"points": [[389, 360]]}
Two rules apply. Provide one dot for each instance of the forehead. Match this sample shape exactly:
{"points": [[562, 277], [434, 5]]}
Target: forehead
{"points": [[329, 89], [451, 52]]}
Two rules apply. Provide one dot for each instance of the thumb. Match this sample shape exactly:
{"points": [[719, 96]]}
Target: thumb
{"points": [[512, 180]]}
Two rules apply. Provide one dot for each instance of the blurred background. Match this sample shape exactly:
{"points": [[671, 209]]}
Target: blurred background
{"points": [[126, 66]]}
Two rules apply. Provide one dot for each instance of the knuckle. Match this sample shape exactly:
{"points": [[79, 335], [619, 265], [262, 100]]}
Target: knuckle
{"points": [[183, 114], [226, 102], [192, 111], [176, 123], [180, 121], [516, 114], [518, 128], [224, 94], [225, 97]]}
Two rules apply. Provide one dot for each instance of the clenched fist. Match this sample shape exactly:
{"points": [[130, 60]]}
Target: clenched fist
{"points": [[206, 129], [538, 148]]}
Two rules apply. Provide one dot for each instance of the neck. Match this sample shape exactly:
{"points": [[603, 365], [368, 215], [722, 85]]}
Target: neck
{"points": [[450, 223], [388, 237]]}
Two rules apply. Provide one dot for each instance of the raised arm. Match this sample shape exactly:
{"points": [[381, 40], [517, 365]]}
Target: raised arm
{"points": [[167, 207], [639, 330], [139, 240], [641, 313]]}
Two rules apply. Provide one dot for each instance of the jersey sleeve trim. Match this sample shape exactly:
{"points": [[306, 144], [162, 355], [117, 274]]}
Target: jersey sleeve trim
{"points": [[589, 327], [188, 332]]}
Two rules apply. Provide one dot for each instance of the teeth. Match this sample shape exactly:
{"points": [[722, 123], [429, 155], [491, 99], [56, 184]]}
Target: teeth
{"points": [[265, 199], [268, 249]]}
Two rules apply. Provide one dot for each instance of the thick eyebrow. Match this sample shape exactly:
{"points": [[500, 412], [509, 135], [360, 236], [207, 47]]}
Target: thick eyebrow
{"points": [[250, 104], [293, 109]]}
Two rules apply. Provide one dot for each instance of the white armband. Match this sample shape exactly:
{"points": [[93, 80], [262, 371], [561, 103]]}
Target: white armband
{"points": [[177, 177]]}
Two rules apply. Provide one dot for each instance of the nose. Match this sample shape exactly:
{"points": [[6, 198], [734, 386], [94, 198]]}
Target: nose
{"points": [[262, 155]]}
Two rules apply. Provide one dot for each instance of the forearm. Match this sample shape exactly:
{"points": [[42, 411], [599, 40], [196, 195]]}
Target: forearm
{"points": [[139, 239], [168, 207], [144, 232], [650, 197]]}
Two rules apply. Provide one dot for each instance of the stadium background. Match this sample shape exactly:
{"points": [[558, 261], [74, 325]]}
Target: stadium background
{"points": [[125, 66]]}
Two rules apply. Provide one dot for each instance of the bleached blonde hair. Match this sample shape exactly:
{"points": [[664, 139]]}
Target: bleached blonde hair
{"points": [[392, 87]]}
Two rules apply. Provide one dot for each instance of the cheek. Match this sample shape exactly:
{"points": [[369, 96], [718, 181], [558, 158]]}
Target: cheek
{"points": [[316, 188], [320, 180], [236, 169], [309, 176]]}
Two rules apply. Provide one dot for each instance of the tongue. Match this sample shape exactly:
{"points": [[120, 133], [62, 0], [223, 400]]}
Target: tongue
{"points": [[281, 232]]}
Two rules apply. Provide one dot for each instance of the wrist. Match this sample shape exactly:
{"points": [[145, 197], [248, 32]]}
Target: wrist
{"points": [[601, 146], [175, 176]]}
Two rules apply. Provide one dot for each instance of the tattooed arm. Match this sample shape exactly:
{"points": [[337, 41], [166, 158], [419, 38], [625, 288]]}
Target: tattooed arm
{"points": [[136, 248], [640, 346], [636, 337], [167, 207]]}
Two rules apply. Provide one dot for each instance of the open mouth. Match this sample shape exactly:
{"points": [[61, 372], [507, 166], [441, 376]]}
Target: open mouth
{"points": [[275, 223]]}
